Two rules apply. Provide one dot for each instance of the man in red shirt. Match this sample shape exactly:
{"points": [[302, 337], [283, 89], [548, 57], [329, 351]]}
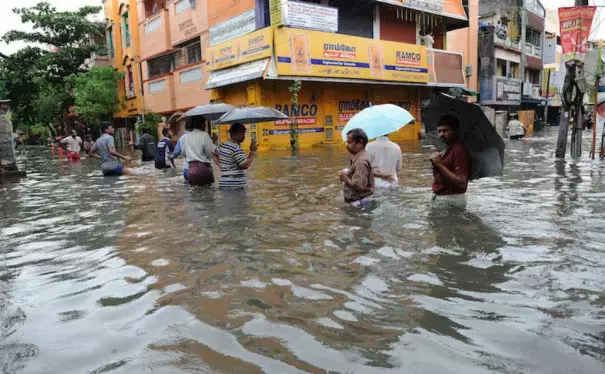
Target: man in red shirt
{"points": [[452, 167]]}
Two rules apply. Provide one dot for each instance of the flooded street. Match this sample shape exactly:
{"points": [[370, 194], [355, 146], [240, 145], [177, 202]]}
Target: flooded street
{"points": [[144, 274]]}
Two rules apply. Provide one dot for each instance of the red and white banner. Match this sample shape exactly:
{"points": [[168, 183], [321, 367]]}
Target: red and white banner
{"points": [[575, 24]]}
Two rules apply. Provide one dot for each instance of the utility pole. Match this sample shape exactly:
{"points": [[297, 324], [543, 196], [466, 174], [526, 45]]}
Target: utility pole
{"points": [[572, 108], [595, 113]]}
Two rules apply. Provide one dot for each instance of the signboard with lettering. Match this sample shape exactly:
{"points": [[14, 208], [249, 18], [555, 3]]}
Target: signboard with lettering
{"points": [[189, 27], [527, 89], [319, 54], [275, 12], [250, 47], [310, 16], [508, 90], [233, 27]]}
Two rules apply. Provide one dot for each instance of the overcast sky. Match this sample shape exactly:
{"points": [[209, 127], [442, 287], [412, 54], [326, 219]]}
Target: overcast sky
{"points": [[10, 21]]}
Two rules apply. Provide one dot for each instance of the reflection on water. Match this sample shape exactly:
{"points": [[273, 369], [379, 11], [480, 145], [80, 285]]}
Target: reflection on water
{"points": [[143, 273]]}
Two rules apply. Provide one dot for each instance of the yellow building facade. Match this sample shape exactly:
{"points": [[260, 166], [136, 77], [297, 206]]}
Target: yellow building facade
{"points": [[122, 34]]}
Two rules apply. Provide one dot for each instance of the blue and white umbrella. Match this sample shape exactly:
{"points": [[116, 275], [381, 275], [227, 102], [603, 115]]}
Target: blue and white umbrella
{"points": [[379, 120]]}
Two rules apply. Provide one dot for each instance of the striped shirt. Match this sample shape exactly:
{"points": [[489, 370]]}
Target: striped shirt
{"points": [[231, 157]]}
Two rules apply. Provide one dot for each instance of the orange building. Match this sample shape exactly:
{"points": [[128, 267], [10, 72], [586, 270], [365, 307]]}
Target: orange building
{"points": [[348, 54], [123, 51]]}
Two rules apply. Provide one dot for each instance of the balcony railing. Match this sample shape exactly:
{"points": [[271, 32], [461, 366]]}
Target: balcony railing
{"points": [[153, 24], [533, 50], [507, 42]]}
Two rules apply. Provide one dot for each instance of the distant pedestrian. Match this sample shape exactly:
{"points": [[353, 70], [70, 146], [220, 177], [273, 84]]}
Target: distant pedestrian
{"points": [[232, 160], [385, 157], [164, 149], [104, 148], [358, 179], [147, 145], [515, 128], [73, 145], [178, 150], [451, 168], [88, 143], [199, 150]]}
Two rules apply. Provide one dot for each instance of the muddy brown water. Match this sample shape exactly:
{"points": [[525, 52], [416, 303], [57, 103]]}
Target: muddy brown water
{"points": [[144, 274]]}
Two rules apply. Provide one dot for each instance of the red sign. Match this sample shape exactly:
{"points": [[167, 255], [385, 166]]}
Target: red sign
{"points": [[575, 24]]}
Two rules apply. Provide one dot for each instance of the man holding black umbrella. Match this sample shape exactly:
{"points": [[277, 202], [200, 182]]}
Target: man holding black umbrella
{"points": [[452, 167]]}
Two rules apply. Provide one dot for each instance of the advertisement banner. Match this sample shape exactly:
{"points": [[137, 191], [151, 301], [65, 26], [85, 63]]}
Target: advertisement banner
{"points": [[233, 27], [447, 8], [275, 12], [250, 47], [319, 54], [486, 66], [575, 24], [310, 16], [549, 52], [508, 90]]}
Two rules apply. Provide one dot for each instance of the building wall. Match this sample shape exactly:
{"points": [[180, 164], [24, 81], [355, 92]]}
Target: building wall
{"points": [[218, 11], [466, 41], [125, 57], [188, 24]]}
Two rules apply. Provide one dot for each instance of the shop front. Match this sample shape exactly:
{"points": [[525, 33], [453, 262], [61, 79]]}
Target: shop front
{"points": [[340, 76]]}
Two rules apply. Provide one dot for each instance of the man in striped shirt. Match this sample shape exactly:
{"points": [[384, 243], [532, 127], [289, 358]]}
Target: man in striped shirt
{"points": [[232, 160]]}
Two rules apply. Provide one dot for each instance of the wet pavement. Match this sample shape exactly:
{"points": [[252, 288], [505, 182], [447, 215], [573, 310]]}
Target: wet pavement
{"points": [[144, 274]]}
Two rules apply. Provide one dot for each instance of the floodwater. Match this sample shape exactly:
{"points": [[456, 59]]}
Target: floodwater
{"points": [[143, 274]]}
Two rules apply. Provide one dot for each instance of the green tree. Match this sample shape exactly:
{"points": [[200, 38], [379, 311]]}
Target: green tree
{"points": [[33, 73], [151, 122], [294, 90], [96, 93]]}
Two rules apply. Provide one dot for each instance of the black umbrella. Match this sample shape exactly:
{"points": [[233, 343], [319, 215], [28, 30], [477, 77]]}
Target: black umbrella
{"points": [[252, 114], [211, 112], [476, 131]]}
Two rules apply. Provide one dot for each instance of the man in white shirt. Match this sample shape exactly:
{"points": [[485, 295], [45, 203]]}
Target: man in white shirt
{"points": [[515, 128], [385, 157], [73, 144]]}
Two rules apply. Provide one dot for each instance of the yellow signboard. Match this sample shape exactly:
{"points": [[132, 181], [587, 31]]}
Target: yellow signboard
{"points": [[275, 11], [250, 47], [319, 54]]}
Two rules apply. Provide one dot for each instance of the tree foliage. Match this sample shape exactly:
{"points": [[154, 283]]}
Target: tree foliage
{"points": [[96, 93], [38, 80], [151, 122]]}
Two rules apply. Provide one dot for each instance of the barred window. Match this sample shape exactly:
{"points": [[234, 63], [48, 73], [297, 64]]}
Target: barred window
{"points": [[160, 65], [188, 53]]}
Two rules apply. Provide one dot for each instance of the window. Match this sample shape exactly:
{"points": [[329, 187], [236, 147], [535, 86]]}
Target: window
{"points": [[501, 67], [532, 76], [191, 75], [514, 70], [153, 24], [129, 83], [182, 5], [160, 65], [126, 30], [157, 86], [109, 36], [533, 37], [188, 53]]}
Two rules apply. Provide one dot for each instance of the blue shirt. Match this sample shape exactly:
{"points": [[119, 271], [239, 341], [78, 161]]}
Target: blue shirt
{"points": [[231, 158], [179, 148], [101, 147], [161, 154]]}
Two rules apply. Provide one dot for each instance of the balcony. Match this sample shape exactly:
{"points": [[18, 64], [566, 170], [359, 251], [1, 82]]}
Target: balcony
{"points": [[155, 35], [507, 42], [159, 94], [533, 50], [189, 87], [187, 20]]}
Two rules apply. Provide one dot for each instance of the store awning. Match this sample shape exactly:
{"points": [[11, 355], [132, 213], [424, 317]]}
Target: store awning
{"points": [[534, 62], [237, 74], [450, 8]]}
